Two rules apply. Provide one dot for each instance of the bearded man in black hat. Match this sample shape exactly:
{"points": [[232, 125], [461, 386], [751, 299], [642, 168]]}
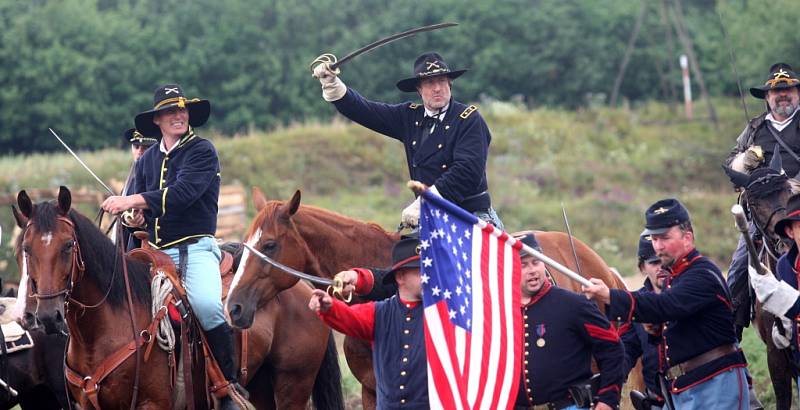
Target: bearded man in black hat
{"points": [[777, 127], [394, 326], [177, 190], [703, 366], [446, 142]]}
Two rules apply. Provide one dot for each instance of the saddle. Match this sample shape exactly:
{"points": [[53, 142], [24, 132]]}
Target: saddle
{"points": [[180, 310], [15, 337]]}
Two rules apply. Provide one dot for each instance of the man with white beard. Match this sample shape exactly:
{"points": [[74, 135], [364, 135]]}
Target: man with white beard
{"points": [[779, 126]]}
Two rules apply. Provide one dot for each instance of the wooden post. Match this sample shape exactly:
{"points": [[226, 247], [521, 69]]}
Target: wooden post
{"points": [[687, 87]]}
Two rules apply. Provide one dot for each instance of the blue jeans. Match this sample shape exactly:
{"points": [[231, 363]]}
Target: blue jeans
{"points": [[725, 391], [202, 281], [491, 217]]}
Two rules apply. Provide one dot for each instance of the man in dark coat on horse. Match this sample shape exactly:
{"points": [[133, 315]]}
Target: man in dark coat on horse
{"points": [[394, 326], [703, 367], [176, 198], [563, 331], [778, 126], [446, 142], [139, 144]]}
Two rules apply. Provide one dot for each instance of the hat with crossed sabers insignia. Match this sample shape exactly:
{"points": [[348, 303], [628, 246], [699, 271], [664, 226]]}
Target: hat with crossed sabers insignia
{"points": [[780, 76], [168, 96], [663, 215], [427, 65]]}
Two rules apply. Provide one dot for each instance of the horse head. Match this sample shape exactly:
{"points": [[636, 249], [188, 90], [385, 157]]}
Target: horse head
{"points": [[48, 252], [274, 233], [765, 193]]}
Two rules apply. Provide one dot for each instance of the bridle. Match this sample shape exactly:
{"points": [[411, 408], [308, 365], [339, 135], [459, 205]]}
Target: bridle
{"points": [[77, 268], [769, 244]]}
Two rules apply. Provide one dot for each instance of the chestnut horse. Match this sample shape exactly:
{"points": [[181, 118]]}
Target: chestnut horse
{"points": [[323, 243], [75, 275]]}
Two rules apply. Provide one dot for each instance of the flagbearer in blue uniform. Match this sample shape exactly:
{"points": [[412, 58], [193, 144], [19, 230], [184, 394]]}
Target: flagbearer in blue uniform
{"points": [[563, 331], [446, 142], [641, 339], [176, 198], [394, 326], [703, 367]]}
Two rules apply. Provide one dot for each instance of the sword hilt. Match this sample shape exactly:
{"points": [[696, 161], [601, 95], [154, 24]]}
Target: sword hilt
{"points": [[326, 58]]}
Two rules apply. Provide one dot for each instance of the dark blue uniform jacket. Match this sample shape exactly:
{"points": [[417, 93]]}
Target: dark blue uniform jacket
{"points": [[453, 157], [787, 272], [181, 190], [563, 330], [638, 343], [695, 309]]}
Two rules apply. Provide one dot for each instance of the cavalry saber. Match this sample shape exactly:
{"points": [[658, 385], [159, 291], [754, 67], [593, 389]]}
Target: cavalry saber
{"points": [[571, 242], [741, 224], [294, 272], [74, 155], [331, 60], [8, 388]]}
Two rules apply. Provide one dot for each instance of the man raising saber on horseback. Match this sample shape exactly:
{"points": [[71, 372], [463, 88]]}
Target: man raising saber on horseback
{"points": [[177, 187], [446, 142]]}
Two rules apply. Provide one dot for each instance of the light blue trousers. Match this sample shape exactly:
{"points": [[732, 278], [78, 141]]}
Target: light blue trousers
{"points": [[202, 281], [726, 391]]}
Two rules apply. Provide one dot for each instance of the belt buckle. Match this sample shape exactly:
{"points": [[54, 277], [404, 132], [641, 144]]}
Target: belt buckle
{"points": [[674, 372]]}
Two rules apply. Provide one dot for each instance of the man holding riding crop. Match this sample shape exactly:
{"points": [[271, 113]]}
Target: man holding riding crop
{"points": [[176, 199], [446, 142]]}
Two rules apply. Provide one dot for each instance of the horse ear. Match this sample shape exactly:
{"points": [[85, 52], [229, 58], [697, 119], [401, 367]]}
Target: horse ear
{"points": [[25, 204], [21, 219], [776, 163], [259, 200], [738, 179], [64, 200], [294, 203]]}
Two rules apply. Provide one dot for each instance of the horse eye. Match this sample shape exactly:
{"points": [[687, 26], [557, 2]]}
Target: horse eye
{"points": [[269, 246], [26, 249], [69, 245]]}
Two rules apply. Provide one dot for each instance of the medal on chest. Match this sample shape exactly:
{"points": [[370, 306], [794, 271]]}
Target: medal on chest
{"points": [[540, 331]]}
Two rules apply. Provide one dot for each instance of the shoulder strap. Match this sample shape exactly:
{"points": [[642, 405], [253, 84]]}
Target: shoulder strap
{"points": [[468, 111], [783, 143]]}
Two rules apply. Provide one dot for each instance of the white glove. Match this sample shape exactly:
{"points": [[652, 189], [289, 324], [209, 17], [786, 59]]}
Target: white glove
{"points": [[781, 340], [748, 160], [776, 296], [332, 87], [410, 215]]}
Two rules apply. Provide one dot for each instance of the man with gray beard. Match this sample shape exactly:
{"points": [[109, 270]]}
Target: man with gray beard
{"points": [[778, 126]]}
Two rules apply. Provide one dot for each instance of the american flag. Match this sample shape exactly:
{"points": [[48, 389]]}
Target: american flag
{"points": [[471, 294]]}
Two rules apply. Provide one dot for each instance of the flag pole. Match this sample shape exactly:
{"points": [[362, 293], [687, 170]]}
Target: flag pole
{"points": [[420, 188]]}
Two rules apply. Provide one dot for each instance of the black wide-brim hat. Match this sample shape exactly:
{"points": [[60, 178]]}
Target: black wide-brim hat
{"points": [[428, 65], [405, 254], [168, 96], [663, 215], [781, 76], [792, 214], [133, 136]]}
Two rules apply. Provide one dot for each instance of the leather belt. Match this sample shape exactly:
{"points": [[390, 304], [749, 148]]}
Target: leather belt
{"points": [[682, 368]]}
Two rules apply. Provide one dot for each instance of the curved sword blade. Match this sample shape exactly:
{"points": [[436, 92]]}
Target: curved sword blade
{"points": [[74, 155], [286, 269], [571, 242], [387, 40]]}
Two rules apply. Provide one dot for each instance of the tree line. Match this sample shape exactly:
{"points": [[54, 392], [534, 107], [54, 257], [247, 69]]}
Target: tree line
{"points": [[86, 67]]}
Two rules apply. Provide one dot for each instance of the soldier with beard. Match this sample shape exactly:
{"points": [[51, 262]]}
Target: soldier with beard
{"points": [[778, 125]]}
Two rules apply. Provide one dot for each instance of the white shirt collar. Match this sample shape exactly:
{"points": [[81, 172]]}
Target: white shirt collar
{"points": [[433, 114], [780, 125]]}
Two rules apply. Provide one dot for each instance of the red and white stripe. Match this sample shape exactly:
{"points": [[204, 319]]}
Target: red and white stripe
{"points": [[479, 369]]}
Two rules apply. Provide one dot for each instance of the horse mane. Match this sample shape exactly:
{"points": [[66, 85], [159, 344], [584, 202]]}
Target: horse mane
{"points": [[100, 256], [318, 226]]}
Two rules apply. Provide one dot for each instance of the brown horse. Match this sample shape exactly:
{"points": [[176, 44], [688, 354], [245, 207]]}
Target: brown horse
{"points": [[75, 278], [323, 243]]}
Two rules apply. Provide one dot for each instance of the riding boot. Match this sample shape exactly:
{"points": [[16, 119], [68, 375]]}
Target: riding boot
{"points": [[220, 341]]}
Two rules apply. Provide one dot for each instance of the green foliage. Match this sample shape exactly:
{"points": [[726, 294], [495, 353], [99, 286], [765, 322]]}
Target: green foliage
{"points": [[86, 67]]}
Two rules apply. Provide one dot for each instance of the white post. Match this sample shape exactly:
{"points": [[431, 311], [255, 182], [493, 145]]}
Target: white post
{"points": [[687, 86]]}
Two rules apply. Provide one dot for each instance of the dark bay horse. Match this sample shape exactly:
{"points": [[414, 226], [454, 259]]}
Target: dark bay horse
{"points": [[765, 194], [323, 243], [34, 372], [76, 280]]}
